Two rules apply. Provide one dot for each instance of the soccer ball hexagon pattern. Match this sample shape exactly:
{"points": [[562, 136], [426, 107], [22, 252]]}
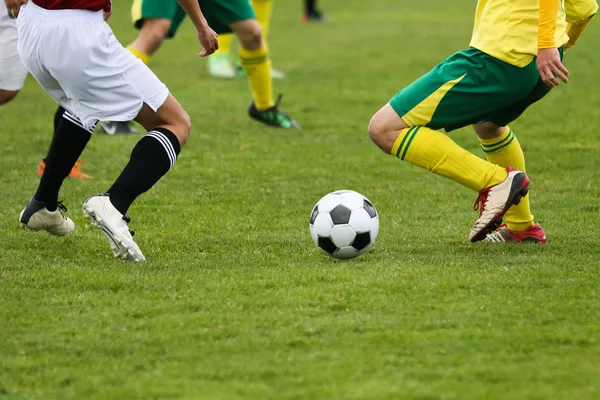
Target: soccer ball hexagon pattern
{"points": [[344, 224]]}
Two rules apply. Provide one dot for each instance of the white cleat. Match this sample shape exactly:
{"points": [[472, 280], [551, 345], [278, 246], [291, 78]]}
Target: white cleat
{"points": [[495, 201], [103, 215], [220, 66], [37, 217]]}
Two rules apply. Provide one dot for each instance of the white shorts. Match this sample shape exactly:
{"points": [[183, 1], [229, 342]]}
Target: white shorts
{"points": [[12, 70], [75, 57]]}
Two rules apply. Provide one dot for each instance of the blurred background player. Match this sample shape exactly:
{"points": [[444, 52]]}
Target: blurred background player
{"points": [[222, 64], [160, 19], [13, 74], [103, 81], [488, 85], [311, 13]]}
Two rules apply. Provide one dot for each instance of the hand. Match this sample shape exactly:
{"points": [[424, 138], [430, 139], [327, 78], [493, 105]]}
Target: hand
{"points": [[106, 16], [13, 7], [549, 66], [208, 39]]}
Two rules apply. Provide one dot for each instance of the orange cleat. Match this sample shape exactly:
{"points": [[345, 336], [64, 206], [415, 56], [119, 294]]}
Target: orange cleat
{"points": [[75, 172]]}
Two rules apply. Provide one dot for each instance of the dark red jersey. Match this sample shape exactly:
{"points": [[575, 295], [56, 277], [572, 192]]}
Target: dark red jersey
{"points": [[92, 5]]}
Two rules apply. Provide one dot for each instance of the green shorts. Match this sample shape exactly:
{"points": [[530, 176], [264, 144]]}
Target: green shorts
{"points": [[218, 13], [469, 87]]}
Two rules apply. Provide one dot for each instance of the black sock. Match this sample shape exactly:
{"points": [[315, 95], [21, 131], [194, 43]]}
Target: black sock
{"points": [[57, 117], [151, 158], [310, 6], [70, 138]]}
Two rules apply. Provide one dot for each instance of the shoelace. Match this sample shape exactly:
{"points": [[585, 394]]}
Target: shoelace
{"points": [[481, 200], [61, 208], [128, 220]]}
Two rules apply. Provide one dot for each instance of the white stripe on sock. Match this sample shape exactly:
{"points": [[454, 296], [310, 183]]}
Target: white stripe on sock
{"points": [[166, 143], [70, 117]]}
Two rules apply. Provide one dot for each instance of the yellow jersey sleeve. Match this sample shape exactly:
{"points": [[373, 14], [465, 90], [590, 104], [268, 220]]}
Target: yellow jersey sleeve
{"points": [[547, 23], [579, 11], [579, 14]]}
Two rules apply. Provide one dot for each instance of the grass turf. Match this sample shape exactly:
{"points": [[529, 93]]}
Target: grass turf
{"points": [[236, 302]]}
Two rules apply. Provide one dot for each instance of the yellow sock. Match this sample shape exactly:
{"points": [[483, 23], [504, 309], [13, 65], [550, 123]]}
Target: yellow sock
{"points": [[437, 153], [258, 66], [263, 10], [506, 151], [141, 55], [225, 44]]}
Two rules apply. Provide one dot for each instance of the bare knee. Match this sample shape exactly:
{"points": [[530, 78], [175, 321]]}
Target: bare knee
{"points": [[184, 126], [489, 130], [170, 115], [249, 33], [385, 127], [7, 95], [151, 35]]}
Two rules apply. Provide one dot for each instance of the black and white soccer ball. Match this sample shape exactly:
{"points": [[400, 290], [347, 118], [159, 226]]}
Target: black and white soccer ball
{"points": [[344, 224]]}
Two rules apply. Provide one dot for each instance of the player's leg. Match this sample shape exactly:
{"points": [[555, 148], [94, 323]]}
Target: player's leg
{"points": [[151, 36], [220, 64], [501, 146], [237, 16], [432, 150], [7, 95], [445, 97], [168, 129], [263, 10], [76, 171], [44, 211], [311, 13], [156, 20], [257, 64], [12, 70], [152, 157]]}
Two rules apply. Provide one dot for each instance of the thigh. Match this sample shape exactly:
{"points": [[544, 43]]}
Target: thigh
{"points": [[12, 70], [506, 115], [462, 90], [158, 9], [220, 14]]}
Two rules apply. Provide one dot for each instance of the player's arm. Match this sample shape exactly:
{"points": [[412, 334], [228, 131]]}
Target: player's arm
{"points": [[206, 36], [548, 59], [579, 16]]}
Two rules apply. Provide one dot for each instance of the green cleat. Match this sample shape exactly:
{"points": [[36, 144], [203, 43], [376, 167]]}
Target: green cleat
{"points": [[272, 116]]}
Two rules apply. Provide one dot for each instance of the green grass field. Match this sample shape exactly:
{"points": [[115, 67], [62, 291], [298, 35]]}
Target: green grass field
{"points": [[235, 301]]}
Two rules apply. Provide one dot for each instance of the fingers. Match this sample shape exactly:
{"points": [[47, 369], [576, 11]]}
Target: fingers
{"points": [[551, 71], [548, 78], [562, 72]]}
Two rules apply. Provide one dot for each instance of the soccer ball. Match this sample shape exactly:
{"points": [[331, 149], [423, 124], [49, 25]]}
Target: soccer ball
{"points": [[344, 224]]}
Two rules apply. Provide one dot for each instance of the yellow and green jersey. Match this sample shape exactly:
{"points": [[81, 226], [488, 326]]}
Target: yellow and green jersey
{"points": [[508, 29]]}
